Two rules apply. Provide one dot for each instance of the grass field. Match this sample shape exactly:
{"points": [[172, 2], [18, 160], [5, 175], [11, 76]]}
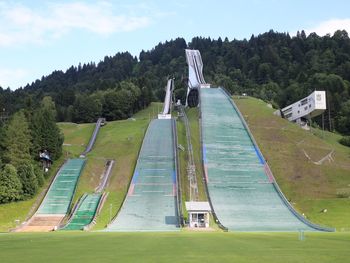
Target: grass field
{"points": [[76, 137], [175, 247], [292, 154], [118, 140]]}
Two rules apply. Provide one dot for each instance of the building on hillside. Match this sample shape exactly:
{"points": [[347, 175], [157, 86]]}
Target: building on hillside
{"points": [[305, 109]]}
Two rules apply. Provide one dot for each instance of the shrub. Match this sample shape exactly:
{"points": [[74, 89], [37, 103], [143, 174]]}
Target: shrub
{"points": [[345, 141], [28, 179], [10, 185]]}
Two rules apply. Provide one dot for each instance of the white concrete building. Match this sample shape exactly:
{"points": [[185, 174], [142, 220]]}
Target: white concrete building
{"points": [[309, 107], [198, 214]]}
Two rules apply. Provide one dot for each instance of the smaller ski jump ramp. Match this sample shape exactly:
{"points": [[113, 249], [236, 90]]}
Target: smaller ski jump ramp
{"points": [[151, 202], [58, 198]]}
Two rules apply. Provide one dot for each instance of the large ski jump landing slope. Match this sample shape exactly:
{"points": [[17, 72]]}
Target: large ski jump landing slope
{"points": [[243, 196]]}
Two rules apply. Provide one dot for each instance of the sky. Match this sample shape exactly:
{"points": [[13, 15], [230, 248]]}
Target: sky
{"points": [[38, 37]]}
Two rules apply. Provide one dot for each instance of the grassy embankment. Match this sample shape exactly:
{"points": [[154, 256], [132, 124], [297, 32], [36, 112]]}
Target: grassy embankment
{"points": [[310, 187], [118, 140], [174, 247]]}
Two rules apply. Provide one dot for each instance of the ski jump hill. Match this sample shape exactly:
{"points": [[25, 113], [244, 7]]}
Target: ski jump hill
{"points": [[58, 199], [241, 188], [151, 203]]}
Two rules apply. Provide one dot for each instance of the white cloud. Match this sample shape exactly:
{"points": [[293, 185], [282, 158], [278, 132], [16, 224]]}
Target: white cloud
{"points": [[21, 24], [14, 76], [330, 26]]}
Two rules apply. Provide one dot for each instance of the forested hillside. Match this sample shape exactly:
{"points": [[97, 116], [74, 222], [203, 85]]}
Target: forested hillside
{"points": [[22, 137], [273, 66]]}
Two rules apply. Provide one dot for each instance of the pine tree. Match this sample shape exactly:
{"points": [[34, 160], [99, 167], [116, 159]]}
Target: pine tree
{"points": [[48, 104], [45, 133], [38, 171], [2, 142], [10, 185], [17, 140], [28, 179]]}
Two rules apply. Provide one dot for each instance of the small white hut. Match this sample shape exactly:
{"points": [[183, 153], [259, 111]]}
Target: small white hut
{"points": [[198, 214]]}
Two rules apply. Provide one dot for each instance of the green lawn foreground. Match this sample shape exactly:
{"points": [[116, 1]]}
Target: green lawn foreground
{"points": [[174, 247]]}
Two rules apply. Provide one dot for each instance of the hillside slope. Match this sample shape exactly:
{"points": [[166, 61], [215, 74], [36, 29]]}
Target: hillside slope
{"points": [[293, 153]]}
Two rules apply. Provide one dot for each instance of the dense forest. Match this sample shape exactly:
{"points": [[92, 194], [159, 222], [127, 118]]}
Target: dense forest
{"points": [[22, 137], [272, 66]]}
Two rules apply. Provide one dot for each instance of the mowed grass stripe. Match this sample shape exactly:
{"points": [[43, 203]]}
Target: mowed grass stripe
{"points": [[175, 247]]}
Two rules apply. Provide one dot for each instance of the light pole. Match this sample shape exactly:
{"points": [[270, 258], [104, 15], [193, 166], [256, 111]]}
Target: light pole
{"points": [[110, 212]]}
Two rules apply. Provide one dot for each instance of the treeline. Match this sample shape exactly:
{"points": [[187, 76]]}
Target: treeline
{"points": [[272, 66], [118, 103], [114, 88], [22, 137], [282, 69]]}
